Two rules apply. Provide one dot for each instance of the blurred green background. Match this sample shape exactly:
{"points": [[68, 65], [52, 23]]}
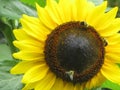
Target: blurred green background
{"points": [[10, 12]]}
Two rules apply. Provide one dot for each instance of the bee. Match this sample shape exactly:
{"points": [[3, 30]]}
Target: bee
{"points": [[70, 74]]}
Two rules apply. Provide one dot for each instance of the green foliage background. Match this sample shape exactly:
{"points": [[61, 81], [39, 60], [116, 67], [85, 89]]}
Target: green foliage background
{"points": [[10, 12]]}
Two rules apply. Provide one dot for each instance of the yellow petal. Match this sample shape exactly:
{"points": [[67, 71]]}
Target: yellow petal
{"points": [[27, 47], [24, 66], [112, 29], [27, 21], [37, 22], [114, 39], [106, 20], [33, 30], [73, 10], [69, 86], [47, 82], [93, 16], [111, 71], [28, 55], [28, 44], [113, 49], [45, 18], [66, 9], [83, 7], [96, 81], [36, 73], [79, 87], [30, 19], [29, 86], [67, 14], [115, 58], [21, 35], [58, 85], [51, 9]]}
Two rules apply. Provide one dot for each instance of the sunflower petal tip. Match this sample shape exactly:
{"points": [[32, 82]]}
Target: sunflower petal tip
{"points": [[21, 19], [24, 80], [105, 3], [115, 9], [13, 70], [37, 6], [14, 42], [23, 15], [15, 30], [15, 55]]}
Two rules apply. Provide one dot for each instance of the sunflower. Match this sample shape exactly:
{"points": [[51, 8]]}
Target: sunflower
{"points": [[71, 45]]}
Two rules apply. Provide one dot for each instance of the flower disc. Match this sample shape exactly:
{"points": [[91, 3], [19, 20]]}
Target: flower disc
{"points": [[74, 52]]}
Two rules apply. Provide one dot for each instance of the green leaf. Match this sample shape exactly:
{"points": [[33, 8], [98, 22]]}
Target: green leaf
{"points": [[10, 12], [7, 80], [5, 53], [42, 3], [3, 22], [10, 82], [32, 2], [13, 9], [110, 85]]}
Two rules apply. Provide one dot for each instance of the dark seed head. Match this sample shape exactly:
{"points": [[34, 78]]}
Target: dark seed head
{"points": [[74, 52]]}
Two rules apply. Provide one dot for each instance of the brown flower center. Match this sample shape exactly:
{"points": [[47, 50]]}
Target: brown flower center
{"points": [[74, 52]]}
